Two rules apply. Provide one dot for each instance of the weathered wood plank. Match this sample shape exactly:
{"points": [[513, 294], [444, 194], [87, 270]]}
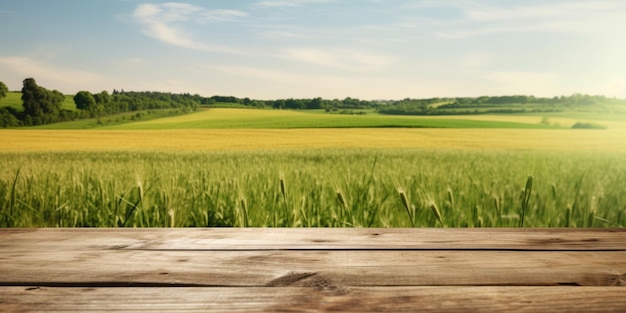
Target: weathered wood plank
{"points": [[338, 267], [252, 270], [293, 299], [314, 239]]}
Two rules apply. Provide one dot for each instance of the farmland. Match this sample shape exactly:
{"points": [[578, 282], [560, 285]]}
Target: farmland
{"points": [[282, 119], [221, 118], [325, 188], [233, 167]]}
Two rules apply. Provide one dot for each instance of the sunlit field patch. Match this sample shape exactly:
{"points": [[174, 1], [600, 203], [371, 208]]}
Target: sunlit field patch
{"points": [[281, 119], [608, 140]]}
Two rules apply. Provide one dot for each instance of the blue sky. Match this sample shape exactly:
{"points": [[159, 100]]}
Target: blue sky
{"points": [[269, 49]]}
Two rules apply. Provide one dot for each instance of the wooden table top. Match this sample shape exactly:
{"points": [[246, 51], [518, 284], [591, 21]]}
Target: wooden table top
{"points": [[312, 270]]}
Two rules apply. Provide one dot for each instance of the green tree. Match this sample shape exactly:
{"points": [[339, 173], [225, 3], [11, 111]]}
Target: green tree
{"points": [[32, 97], [3, 90], [103, 103], [84, 100], [103, 98], [40, 104], [315, 103], [8, 117]]}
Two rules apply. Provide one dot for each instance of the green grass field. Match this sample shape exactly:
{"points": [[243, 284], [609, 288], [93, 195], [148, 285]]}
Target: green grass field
{"points": [[263, 119], [14, 100], [239, 118], [313, 188]]}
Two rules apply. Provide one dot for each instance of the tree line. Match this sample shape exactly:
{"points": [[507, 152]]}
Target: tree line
{"points": [[42, 106], [435, 106], [496, 104], [291, 103]]}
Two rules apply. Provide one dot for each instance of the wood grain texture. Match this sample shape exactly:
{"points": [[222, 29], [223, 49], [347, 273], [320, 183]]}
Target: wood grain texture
{"points": [[313, 270], [352, 268], [294, 299], [315, 239]]}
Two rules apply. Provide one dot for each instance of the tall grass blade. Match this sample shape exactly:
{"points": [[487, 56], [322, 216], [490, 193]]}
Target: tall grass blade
{"points": [[526, 198], [244, 211], [568, 216], [406, 204], [9, 217], [283, 191], [433, 207]]}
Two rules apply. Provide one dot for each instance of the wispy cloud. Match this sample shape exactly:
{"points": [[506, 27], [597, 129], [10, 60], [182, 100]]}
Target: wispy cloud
{"points": [[162, 22], [522, 82], [579, 9], [615, 88], [134, 60], [59, 76], [288, 3], [337, 58], [590, 17], [279, 34], [263, 82], [277, 76], [476, 59], [183, 12], [509, 27], [266, 82]]}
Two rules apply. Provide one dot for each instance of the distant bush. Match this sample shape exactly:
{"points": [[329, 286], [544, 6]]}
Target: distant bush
{"points": [[346, 112], [580, 125], [8, 117]]}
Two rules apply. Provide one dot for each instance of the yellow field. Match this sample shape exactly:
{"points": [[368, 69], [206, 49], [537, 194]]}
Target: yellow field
{"points": [[610, 140], [529, 119]]}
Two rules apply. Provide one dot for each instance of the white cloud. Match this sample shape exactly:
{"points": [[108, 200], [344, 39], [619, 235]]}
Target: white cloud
{"points": [[614, 88], [581, 17], [288, 3], [506, 28], [56, 77], [271, 83], [521, 82], [266, 83], [183, 12], [278, 34], [261, 73], [476, 59], [337, 58], [579, 9], [134, 60], [161, 21]]}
